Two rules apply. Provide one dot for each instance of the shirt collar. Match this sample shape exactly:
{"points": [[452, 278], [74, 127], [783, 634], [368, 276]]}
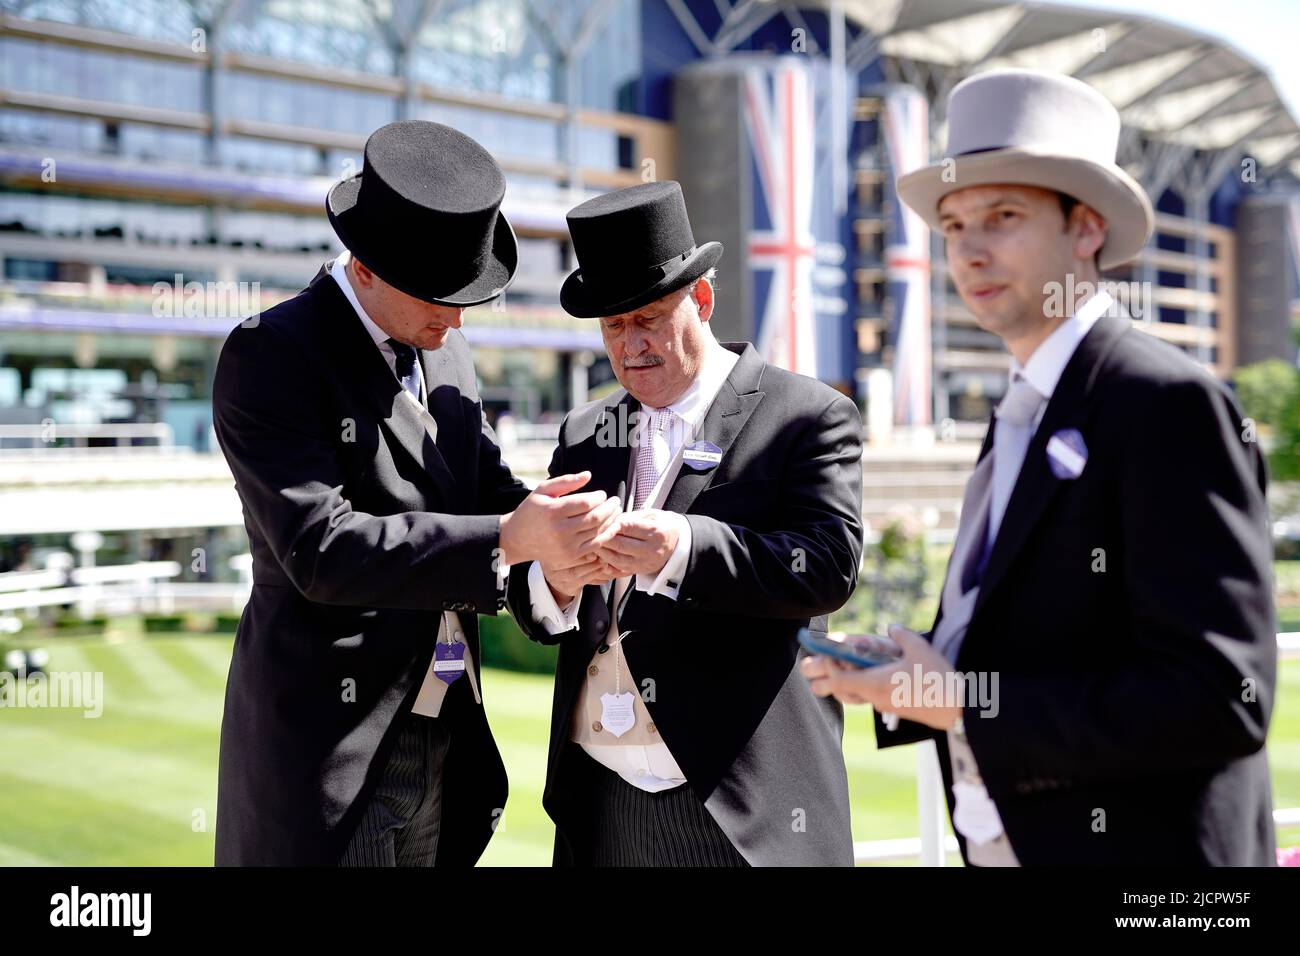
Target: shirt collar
{"points": [[339, 274], [716, 365], [1048, 361]]}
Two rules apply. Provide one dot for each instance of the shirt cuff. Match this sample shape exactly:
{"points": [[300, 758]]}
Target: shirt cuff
{"points": [[668, 581], [545, 610]]}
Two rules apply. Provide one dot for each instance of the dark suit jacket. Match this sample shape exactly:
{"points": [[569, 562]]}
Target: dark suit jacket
{"points": [[1129, 616], [776, 540], [362, 530]]}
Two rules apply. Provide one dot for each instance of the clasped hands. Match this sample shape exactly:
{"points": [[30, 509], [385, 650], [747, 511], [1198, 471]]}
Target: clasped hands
{"points": [[584, 538]]}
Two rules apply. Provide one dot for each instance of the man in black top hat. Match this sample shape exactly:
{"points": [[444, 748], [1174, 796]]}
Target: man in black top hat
{"points": [[381, 520], [681, 731]]}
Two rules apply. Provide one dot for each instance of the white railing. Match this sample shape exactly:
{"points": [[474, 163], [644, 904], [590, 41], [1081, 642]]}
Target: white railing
{"points": [[43, 437], [142, 587], [92, 589], [157, 597], [548, 432]]}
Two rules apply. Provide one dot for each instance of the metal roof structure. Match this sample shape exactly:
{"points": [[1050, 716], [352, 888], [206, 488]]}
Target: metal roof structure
{"points": [[1192, 104]]}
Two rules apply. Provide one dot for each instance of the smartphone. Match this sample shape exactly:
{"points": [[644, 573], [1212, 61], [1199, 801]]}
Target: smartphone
{"points": [[861, 650]]}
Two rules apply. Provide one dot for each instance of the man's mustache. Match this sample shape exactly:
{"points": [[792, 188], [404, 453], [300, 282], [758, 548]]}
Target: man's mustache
{"points": [[645, 362]]}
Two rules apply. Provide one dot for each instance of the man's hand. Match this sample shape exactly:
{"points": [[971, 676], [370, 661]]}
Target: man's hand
{"points": [[878, 686], [567, 583], [641, 542], [555, 527]]}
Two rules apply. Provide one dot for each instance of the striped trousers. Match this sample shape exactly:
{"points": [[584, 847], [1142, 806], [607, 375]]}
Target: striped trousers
{"points": [[631, 827], [401, 822]]}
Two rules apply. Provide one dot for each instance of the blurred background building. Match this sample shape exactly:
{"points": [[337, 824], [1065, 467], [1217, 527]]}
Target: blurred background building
{"points": [[164, 163]]}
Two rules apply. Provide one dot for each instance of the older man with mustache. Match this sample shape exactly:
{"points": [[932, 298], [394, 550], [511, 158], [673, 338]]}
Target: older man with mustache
{"points": [[681, 732]]}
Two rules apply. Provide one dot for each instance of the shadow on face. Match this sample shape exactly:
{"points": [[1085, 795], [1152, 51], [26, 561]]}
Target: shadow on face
{"points": [[404, 317], [656, 351]]}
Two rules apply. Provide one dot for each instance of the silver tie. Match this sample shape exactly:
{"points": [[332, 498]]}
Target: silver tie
{"points": [[1012, 429]]}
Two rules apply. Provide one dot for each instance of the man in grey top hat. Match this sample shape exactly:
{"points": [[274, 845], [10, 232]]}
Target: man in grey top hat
{"points": [[1105, 641]]}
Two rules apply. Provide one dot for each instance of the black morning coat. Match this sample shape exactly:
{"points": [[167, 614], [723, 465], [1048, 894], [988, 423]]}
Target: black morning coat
{"points": [[776, 533], [1128, 614], [363, 529]]}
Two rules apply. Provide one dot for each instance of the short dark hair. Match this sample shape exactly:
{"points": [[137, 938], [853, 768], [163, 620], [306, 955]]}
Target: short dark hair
{"points": [[1068, 203]]}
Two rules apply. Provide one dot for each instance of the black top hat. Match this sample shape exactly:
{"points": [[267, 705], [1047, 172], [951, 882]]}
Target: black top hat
{"points": [[634, 245], [424, 214]]}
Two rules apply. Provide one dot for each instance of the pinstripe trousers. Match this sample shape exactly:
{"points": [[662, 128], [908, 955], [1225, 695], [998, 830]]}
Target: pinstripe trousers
{"points": [[401, 822], [632, 827]]}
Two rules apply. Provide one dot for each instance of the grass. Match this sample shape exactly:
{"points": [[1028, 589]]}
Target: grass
{"points": [[137, 785]]}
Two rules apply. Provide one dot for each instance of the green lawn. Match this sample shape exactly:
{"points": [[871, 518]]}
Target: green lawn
{"points": [[138, 784]]}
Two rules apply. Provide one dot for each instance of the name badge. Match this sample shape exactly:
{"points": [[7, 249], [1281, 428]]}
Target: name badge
{"points": [[448, 661], [1067, 454], [618, 712], [701, 455]]}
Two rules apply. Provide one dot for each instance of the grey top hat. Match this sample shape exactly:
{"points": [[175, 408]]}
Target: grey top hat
{"points": [[1033, 128]]}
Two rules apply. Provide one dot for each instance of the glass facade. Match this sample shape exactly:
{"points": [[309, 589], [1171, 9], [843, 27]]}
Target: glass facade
{"points": [[329, 33], [165, 20], [41, 66], [509, 48], [162, 171], [77, 217], [270, 99]]}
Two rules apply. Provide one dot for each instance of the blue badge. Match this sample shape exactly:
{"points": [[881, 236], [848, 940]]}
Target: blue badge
{"points": [[702, 455], [1067, 454]]}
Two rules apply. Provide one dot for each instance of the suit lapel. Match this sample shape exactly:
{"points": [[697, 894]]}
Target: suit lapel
{"points": [[611, 445], [726, 417], [611, 456], [376, 387], [735, 402], [987, 445], [1036, 485], [446, 407]]}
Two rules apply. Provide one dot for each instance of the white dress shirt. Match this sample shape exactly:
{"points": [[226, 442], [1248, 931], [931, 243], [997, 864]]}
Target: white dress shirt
{"points": [[1048, 361], [688, 415], [649, 767], [432, 691], [977, 816]]}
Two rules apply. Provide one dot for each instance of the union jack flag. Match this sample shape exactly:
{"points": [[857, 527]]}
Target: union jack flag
{"points": [[906, 132], [782, 247]]}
